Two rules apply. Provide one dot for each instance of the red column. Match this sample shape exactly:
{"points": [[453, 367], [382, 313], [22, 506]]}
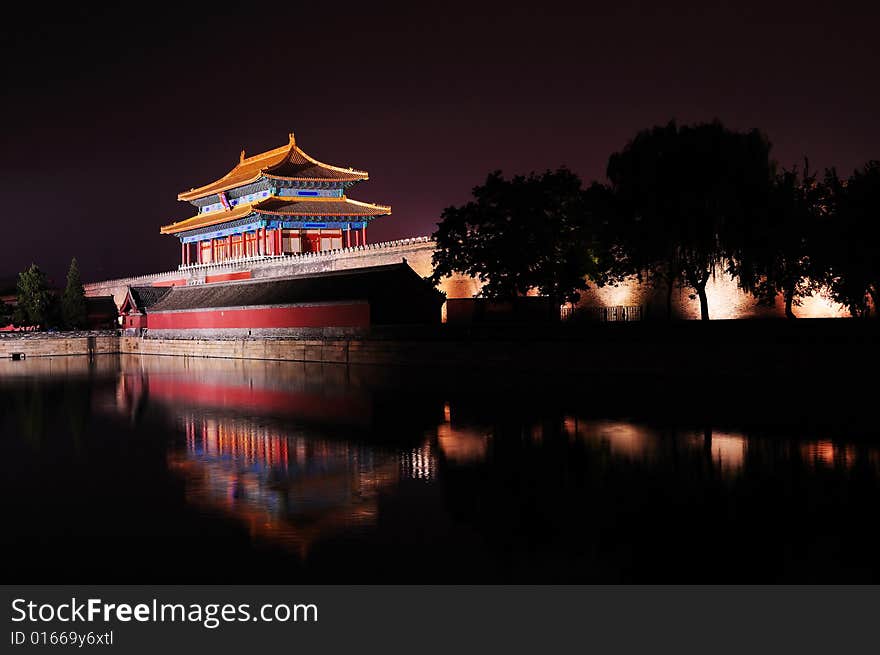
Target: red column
{"points": [[199, 253], [278, 248], [348, 237], [365, 234], [265, 242]]}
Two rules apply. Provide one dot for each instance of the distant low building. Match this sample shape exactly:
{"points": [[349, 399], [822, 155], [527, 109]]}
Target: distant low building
{"points": [[522, 310], [101, 313], [8, 296]]}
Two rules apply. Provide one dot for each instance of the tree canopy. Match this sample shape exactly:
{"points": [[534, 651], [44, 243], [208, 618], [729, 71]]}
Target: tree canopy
{"points": [[73, 301], [782, 257], [688, 197], [35, 302], [518, 234], [5, 314], [852, 239]]}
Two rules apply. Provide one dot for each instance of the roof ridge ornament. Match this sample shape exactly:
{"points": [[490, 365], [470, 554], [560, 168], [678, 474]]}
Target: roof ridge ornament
{"points": [[292, 138], [241, 157]]}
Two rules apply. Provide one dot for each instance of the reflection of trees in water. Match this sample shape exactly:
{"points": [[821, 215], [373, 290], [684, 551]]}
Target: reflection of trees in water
{"points": [[615, 500], [77, 406], [46, 412], [30, 409]]}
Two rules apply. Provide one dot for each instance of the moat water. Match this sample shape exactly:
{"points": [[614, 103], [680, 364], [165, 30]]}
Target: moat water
{"points": [[163, 470]]}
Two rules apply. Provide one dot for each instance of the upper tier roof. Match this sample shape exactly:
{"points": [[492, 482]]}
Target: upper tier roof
{"points": [[287, 162], [274, 206], [319, 207]]}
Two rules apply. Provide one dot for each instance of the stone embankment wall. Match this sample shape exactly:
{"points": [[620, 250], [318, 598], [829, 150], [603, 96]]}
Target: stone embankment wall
{"points": [[823, 348], [52, 345], [318, 350], [349, 351]]}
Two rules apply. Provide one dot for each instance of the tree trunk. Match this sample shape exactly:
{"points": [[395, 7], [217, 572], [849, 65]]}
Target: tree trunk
{"points": [[788, 294], [707, 448], [704, 301], [555, 308]]}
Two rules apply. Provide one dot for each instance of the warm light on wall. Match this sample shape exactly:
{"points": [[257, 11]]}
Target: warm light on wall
{"points": [[462, 446], [726, 301]]}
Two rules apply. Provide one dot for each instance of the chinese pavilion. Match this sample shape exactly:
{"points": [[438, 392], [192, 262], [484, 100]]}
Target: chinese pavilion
{"points": [[275, 203]]}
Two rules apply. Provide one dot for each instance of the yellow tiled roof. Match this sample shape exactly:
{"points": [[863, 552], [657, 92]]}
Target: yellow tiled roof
{"points": [[286, 162], [282, 206], [204, 220]]}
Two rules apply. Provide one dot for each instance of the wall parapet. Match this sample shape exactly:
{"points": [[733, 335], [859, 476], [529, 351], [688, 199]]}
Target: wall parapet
{"points": [[258, 263]]}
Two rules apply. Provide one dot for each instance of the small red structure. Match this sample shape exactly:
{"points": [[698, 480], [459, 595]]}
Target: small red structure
{"points": [[133, 312]]}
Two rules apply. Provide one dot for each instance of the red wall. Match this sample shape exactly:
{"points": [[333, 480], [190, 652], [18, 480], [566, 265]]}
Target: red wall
{"points": [[226, 277], [330, 315], [338, 408], [134, 321], [171, 283]]}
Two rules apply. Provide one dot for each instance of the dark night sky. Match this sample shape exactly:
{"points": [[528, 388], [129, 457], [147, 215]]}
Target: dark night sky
{"points": [[109, 113]]}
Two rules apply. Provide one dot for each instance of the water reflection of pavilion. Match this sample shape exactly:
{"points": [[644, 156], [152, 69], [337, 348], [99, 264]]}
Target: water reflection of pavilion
{"points": [[283, 449], [289, 490]]}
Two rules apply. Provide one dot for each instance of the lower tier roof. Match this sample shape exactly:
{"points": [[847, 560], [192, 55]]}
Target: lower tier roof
{"points": [[309, 208], [395, 285]]}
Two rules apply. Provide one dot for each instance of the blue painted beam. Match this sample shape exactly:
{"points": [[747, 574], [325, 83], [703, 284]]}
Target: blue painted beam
{"points": [[223, 232]]}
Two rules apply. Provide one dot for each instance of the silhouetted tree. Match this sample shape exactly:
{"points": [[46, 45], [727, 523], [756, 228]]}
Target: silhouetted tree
{"points": [[73, 302], [5, 314], [520, 234], [688, 196], [853, 239], [600, 211], [780, 257], [36, 301]]}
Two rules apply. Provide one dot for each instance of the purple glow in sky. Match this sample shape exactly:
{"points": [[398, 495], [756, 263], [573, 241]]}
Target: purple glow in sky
{"points": [[108, 114]]}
